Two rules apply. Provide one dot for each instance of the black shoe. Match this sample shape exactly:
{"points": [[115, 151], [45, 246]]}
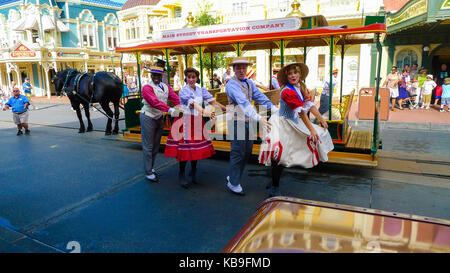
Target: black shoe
{"points": [[27, 132], [274, 191], [19, 132], [193, 175], [183, 181]]}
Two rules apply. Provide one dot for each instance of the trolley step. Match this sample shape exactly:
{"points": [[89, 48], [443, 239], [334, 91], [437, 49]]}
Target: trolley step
{"points": [[336, 157]]}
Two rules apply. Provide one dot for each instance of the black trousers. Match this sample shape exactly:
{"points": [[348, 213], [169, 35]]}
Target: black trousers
{"points": [[276, 173]]}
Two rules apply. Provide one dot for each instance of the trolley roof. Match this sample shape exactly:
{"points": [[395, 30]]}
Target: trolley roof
{"points": [[293, 39]]}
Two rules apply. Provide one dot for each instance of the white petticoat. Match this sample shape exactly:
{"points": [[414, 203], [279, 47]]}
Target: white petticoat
{"points": [[290, 144]]}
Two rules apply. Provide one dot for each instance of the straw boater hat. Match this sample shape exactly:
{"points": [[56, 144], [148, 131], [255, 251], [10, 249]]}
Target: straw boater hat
{"points": [[240, 60], [156, 70], [301, 67], [447, 81]]}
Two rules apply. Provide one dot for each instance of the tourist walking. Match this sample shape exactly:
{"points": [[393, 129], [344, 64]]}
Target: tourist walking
{"points": [[19, 105]]}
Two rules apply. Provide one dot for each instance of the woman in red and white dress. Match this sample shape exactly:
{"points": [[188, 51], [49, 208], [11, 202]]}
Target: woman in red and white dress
{"points": [[186, 140], [293, 140]]}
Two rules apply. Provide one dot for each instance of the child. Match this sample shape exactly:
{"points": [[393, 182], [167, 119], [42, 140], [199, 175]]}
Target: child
{"points": [[420, 78], [427, 87], [445, 97]]}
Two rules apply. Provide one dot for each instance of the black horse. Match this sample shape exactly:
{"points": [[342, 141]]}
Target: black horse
{"points": [[85, 89]]}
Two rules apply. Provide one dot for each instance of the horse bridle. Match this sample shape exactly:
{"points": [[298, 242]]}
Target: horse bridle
{"points": [[64, 88]]}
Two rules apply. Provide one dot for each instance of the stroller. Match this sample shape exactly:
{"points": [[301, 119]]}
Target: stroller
{"points": [[413, 98]]}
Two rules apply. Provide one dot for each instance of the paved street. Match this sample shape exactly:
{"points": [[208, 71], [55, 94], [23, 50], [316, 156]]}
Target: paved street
{"points": [[58, 186]]}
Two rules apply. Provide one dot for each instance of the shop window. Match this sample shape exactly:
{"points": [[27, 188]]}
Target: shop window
{"points": [[111, 37], [84, 35], [406, 57], [240, 7], [283, 5], [91, 36], [34, 36]]}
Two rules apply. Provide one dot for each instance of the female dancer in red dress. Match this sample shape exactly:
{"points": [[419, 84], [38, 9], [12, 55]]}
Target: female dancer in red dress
{"points": [[186, 140]]}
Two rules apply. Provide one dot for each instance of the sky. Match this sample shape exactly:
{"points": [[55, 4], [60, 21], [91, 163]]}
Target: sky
{"points": [[120, 1]]}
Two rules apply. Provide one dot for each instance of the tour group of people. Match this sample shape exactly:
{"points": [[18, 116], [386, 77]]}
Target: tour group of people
{"points": [[289, 137], [418, 88]]}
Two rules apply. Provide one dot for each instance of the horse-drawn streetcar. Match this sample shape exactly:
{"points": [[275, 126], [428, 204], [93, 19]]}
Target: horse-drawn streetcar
{"points": [[351, 146]]}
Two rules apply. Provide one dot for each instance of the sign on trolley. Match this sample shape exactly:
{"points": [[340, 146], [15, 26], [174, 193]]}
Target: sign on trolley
{"points": [[252, 27]]}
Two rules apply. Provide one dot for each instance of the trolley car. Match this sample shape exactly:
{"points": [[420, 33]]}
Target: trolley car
{"points": [[351, 146]]}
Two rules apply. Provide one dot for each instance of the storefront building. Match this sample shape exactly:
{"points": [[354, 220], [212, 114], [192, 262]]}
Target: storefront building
{"points": [[419, 32], [40, 37]]}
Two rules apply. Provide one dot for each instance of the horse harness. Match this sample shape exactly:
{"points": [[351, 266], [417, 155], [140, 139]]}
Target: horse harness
{"points": [[76, 88]]}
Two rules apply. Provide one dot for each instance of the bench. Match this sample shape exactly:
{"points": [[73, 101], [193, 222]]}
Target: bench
{"points": [[338, 127]]}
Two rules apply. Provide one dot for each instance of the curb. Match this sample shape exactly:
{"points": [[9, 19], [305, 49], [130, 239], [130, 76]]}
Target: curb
{"points": [[368, 124]]}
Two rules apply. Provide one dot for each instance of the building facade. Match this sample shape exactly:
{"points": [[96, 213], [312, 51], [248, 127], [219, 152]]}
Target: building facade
{"points": [[40, 37], [418, 32]]}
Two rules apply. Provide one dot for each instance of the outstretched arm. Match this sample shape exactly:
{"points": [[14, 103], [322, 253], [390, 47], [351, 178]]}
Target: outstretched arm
{"points": [[308, 124], [317, 114]]}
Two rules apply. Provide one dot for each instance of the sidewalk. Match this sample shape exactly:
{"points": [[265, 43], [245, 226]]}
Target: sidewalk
{"points": [[53, 99], [416, 119]]}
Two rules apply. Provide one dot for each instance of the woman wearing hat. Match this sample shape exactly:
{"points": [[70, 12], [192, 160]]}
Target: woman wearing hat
{"points": [[186, 140], [155, 98], [293, 139]]}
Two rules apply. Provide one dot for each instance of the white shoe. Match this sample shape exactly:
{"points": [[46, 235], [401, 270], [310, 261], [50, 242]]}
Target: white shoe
{"points": [[151, 177], [421, 107], [442, 110], [428, 107], [235, 189]]}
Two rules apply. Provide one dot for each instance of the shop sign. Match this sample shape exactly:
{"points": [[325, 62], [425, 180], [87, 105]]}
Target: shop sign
{"points": [[414, 10], [248, 28], [23, 52], [68, 55]]}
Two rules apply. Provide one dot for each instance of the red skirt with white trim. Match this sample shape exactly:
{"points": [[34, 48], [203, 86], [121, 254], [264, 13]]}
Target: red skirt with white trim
{"points": [[186, 140]]}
